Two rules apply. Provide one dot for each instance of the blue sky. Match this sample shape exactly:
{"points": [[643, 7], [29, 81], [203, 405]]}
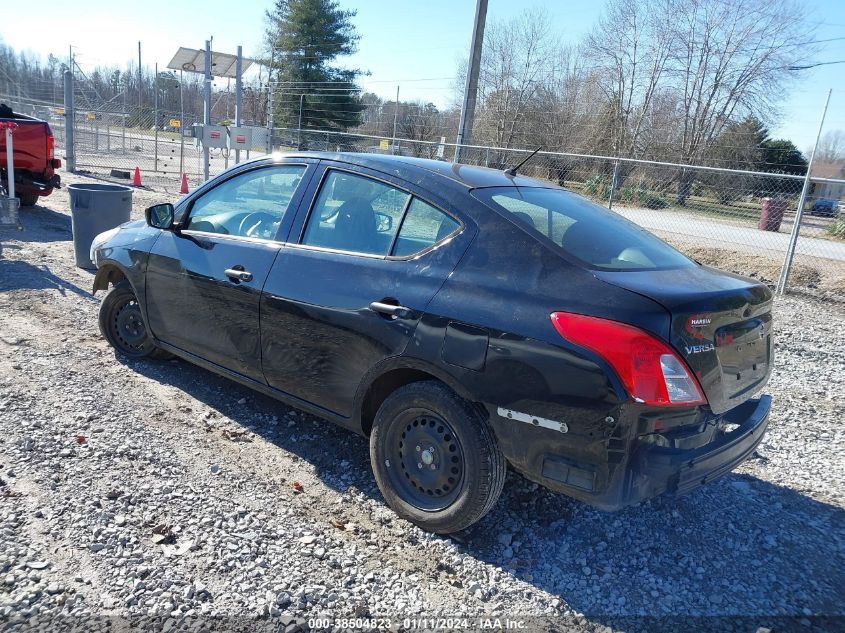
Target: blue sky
{"points": [[415, 44]]}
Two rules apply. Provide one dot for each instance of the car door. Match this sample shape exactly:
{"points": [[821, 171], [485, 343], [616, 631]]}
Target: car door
{"points": [[349, 292], [203, 281]]}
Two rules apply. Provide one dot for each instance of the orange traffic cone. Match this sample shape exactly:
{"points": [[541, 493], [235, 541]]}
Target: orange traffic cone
{"points": [[136, 181], [184, 188]]}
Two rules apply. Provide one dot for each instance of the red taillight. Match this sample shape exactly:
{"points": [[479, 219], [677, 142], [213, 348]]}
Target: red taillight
{"points": [[51, 147], [649, 369]]}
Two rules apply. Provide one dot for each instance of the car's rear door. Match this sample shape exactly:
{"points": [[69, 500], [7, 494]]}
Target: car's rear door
{"points": [[350, 290], [203, 283]]}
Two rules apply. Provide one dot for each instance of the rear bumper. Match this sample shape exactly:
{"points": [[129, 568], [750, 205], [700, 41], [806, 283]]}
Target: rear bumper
{"points": [[656, 470], [622, 470]]}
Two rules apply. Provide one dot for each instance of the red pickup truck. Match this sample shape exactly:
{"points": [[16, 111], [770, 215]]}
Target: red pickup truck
{"points": [[33, 157]]}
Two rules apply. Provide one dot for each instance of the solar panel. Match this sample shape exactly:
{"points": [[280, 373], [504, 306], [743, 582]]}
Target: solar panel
{"points": [[193, 61]]}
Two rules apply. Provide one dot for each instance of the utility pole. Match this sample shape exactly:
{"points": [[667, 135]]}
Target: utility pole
{"points": [[471, 86], [799, 212], [395, 118]]}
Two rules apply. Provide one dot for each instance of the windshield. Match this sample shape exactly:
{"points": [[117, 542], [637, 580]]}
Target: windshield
{"points": [[591, 234]]}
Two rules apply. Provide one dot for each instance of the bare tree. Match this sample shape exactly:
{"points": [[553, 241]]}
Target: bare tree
{"points": [[630, 48], [518, 56], [419, 122], [730, 59], [831, 147]]}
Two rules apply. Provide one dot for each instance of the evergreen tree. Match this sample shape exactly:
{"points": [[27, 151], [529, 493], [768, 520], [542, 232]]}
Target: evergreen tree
{"points": [[781, 156], [304, 38]]}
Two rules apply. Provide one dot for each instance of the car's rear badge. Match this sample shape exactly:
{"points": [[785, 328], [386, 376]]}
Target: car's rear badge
{"points": [[695, 323], [533, 420], [698, 349]]}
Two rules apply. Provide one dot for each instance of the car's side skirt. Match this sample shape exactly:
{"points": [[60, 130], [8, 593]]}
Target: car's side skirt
{"points": [[276, 394]]}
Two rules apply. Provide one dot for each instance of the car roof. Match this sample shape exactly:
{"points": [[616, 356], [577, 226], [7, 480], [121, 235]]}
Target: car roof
{"points": [[469, 176]]}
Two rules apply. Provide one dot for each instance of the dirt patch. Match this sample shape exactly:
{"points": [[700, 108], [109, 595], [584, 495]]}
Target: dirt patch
{"points": [[803, 277]]}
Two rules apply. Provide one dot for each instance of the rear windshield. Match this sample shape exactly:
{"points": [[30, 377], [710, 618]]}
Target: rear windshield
{"points": [[591, 234]]}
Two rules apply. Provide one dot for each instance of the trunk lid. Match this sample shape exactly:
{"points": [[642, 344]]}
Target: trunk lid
{"points": [[721, 325]]}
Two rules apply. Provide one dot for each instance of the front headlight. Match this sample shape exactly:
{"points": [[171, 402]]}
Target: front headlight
{"points": [[101, 239]]}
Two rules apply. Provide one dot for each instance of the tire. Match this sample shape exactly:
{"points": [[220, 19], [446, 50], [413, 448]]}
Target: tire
{"points": [[122, 325], [28, 199], [457, 474]]}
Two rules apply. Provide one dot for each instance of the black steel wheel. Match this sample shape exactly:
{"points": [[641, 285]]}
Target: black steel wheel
{"points": [[435, 458], [122, 324], [428, 459]]}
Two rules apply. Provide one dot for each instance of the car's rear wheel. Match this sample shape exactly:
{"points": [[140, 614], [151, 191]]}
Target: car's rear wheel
{"points": [[435, 458], [122, 324]]}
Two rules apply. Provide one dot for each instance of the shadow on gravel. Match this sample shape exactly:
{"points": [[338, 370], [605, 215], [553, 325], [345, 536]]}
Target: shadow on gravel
{"points": [[16, 274], [739, 546], [41, 224]]}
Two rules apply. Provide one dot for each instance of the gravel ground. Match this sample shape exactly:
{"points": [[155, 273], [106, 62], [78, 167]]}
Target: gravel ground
{"points": [[160, 493]]}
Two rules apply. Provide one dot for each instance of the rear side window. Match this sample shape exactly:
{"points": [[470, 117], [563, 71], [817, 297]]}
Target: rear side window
{"points": [[423, 227], [356, 214], [591, 234]]}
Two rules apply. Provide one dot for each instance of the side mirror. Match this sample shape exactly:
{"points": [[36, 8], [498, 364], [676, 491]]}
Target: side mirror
{"points": [[384, 222], [160, 216]]}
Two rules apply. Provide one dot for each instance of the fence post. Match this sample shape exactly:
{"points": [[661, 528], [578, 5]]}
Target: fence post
{"points": [[155, 118], [799, 212], [70, 158], [613, 183]]}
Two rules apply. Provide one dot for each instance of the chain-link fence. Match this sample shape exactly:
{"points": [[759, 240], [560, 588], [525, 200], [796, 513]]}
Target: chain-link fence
{"points": [[736, 220]]}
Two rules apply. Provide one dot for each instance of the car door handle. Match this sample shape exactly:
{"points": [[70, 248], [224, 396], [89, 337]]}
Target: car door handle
{"points": [[388, 309], [238, 275]]}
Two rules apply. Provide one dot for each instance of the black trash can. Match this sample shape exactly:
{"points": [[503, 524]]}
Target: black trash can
{"points": [[95, 208]]}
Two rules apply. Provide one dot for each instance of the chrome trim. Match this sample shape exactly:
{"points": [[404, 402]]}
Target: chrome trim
{"points": [[236, 238]]}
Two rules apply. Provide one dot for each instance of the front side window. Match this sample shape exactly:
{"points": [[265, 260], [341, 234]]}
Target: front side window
{"points": [[591, 234], [423, 227], [252, 204], [356, 214]]}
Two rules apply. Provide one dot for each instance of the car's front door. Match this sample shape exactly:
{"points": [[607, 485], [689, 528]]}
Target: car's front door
{"points": [[369, 258], [203, 282]]}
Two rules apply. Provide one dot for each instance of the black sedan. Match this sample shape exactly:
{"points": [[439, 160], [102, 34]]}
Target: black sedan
{"points": [[462, 318]]}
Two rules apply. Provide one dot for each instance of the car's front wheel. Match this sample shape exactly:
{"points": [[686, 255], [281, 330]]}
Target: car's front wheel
{"points": [[435, 458], [122, 324]]}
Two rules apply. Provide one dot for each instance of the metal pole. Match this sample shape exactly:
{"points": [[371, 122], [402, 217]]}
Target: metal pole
{"points": [[10, 163], [613, 184], [238, 91], [471, 86], [799, 212], [155, 117], [269, 144], [206, 119], [395, 119], [125, 88], [181, 127], [140, 84], [70, 158], [299, 129]]}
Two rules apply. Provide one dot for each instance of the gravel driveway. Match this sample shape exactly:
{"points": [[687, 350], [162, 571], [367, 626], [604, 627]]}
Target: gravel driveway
{"points": [[159, 491]]}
